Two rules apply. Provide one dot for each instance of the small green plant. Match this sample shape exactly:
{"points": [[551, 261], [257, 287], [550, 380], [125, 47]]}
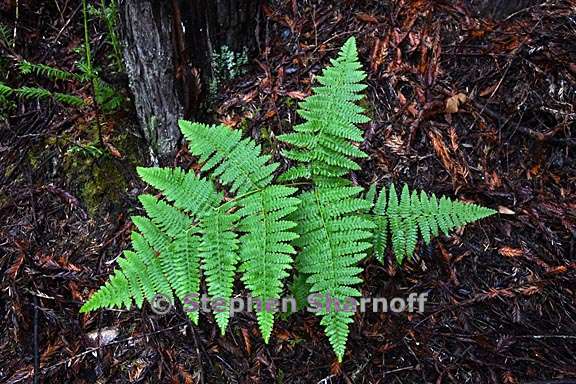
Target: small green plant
{"points": [[105, 95], [311, 220], [55, 74], [108, 14], [88, 150], [40, 94], [227, 65]]}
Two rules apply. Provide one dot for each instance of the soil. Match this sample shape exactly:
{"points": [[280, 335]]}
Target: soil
{"points": [[471, 100]]}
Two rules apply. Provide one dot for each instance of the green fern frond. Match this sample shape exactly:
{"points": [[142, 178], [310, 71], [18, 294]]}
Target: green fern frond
{"points": [[332, 241], [415, 213], [323, 144], [183, 268], [5, 90], [331, 219], [186, 190], [219, 254], [259, 227], [72, 100], [235, 161], [47, 71], [33, 93], [266, 252]]}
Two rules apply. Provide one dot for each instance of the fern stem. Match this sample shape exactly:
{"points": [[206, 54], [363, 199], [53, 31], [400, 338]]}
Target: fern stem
{"points": [[93, 80], [88, 54]]}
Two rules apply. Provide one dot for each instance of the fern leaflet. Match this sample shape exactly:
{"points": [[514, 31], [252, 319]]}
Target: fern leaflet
{"points": [[266, 252], [235, 161], [415, 213], [219, 255], [332, 242], [323, 144]]}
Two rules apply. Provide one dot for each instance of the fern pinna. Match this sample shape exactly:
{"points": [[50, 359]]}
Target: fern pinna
{"points": [[192, 229], [415, 213], [248, 224], [334, 233]]}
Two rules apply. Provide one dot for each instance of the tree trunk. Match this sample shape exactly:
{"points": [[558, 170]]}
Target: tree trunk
{"points": [[177, 52]]}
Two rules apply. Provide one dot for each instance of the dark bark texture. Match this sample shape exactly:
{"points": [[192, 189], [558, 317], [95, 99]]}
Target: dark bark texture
{"points": [[174, 53], [150, 62]]}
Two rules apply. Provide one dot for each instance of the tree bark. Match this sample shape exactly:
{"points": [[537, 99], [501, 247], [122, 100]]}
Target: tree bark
{"points": [[177, 52], [150, 64]]}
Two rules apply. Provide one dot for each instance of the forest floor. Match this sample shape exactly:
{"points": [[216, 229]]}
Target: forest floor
{"points": [[466, 102]]}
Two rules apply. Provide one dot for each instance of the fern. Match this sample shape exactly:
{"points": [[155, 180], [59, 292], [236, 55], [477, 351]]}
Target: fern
{"points": [[235, 161], [324, 143], [233, 217], [187, 191], [266, 253], [333, 230], [27, 68], [417, 213], [332, 241], [219, 252], [40, 94], [167, 242], [192, 206]]}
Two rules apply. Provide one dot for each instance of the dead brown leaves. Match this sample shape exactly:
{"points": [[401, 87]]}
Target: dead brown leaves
{"points": [[510, 252], [12, 271], [453, 103], [458, 170]]}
